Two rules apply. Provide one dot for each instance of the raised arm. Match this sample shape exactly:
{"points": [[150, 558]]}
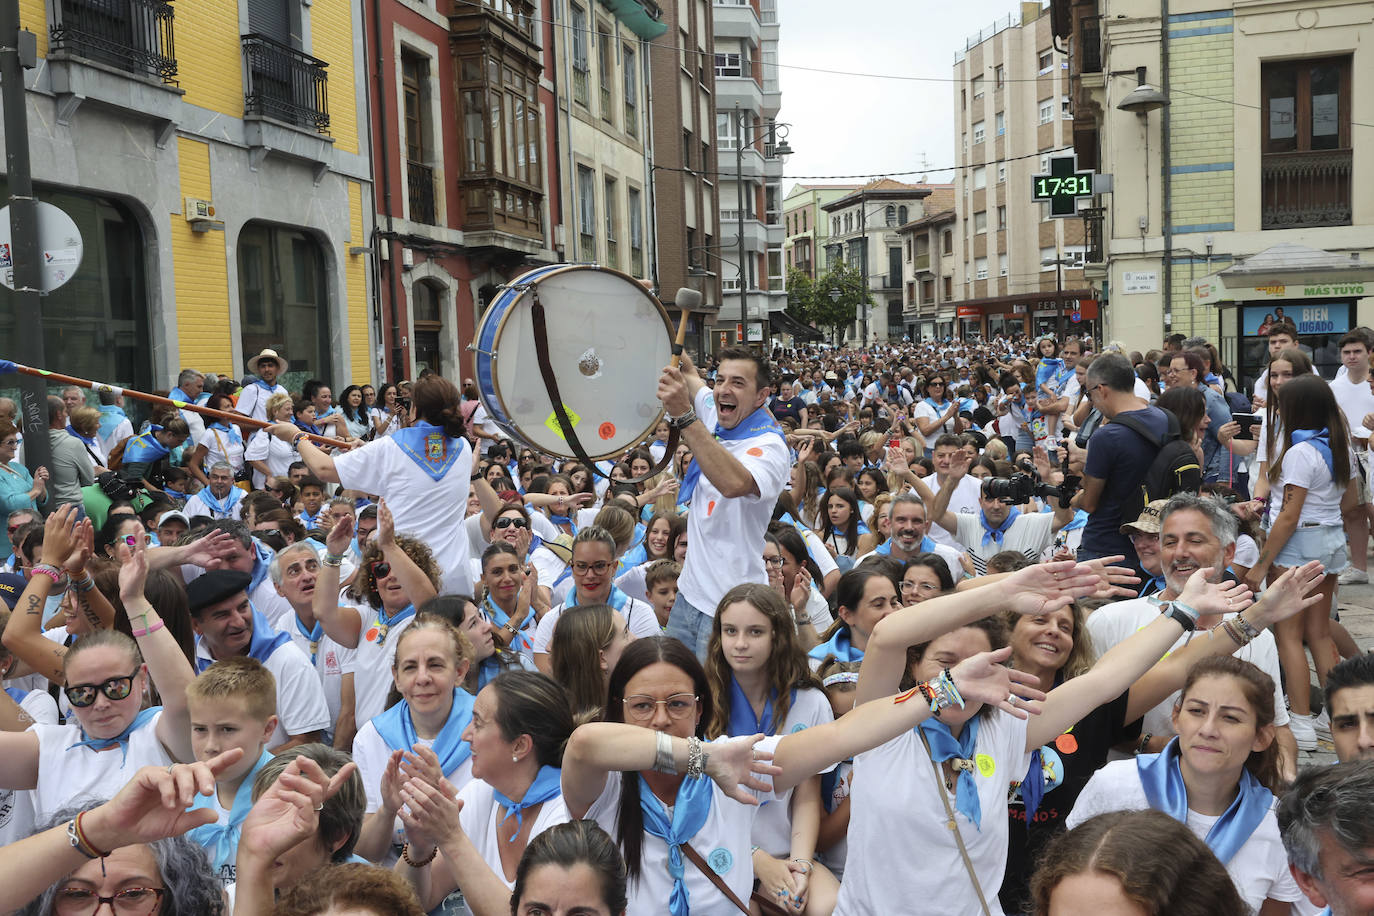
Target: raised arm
{"points": [[315, 458], [413, 580], [24, 634], [341, 624], [94, 607]]}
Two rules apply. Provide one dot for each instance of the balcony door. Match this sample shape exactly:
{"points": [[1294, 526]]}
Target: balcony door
{"points": [[1307, 158]]}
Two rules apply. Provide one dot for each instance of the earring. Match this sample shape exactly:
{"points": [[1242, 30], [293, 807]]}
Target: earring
{"points": [[514, 759]]}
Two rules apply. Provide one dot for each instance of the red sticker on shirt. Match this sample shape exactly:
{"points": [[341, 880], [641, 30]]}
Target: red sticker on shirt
{"points": [[371, 635], [755, 451], [710, 507], [1067, 744], [606, 430]]}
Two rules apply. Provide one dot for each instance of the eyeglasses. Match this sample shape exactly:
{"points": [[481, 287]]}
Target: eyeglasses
{"points": [[641, 708], [380, 569], [599, 567], [132, 901], [270, 532], [509, 520], [927, 588], [773, 561], [116, 688]]}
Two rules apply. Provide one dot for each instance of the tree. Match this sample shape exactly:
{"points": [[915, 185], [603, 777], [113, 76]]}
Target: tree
{"points": [[801, 294], [839, 311]]}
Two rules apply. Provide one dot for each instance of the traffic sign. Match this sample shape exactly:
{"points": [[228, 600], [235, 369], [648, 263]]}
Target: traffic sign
{"points": [[1063, 187], [1076, 317]]}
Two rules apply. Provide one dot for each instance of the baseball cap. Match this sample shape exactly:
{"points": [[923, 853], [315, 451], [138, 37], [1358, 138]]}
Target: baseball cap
{"points": [[1148, 522], [171, 514]]}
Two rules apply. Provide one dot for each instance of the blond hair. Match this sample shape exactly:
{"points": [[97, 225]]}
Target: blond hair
{"points": [[238, 677]]}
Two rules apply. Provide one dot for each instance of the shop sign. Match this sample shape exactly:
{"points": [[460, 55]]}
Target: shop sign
{"points": [[1309, 319], [969, 311], [1134, 282]]}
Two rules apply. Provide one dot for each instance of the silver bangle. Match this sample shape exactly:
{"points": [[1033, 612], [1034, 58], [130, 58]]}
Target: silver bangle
{"points": [[663, 754], [696, 760]]}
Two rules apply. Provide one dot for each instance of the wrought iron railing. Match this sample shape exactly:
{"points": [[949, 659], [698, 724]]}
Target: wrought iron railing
{"points": [[420, 185], [132, 35], [1305, 189], [284, 83], [1092, 234]]}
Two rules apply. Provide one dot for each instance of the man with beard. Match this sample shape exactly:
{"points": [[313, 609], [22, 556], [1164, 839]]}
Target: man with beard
{"points": [[1196, 532], [219, 500], [909, 523]]}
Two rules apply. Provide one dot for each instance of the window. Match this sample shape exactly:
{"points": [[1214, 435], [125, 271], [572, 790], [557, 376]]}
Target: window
{"points": [[581, 66], [283, 294], [612, 207], [947, 242], [727, 130], [1001, 172], [980, 268], [605, 67], [979, 129], [964, 139], [980, 177], [835, 225], [890, 215], [848, 223], [414, 88], [894, 268], [804, 220], [1046, 111], [427, 315], [1000, 76], [1002, 264], [732, 59], [687, 149], [977, 84], [631, 91], [1075, 254], [901, 216], [947, 293], [777, 277], [1066, 108], [636, 233], [908, 250], [1046, 61], [1002, 217], [1001, 121], [586, 215], [980, 221], [1045, 164], [1047, 253], [963, 98], [1307, 159]]}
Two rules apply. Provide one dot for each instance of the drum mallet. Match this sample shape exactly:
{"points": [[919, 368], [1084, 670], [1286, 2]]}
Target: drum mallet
{"points": [[686, 302]]}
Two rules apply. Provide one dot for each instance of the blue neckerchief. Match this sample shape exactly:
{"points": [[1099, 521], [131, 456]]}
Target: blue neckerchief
{"points": [[742, 718], [616, 599], [997, 534], [756, 424], [838, 646], [221, 841], [632, 558], [313, 636], [1212, 378], [1080, 518], [265, 641], [938, 406], [427, 446], [885, 548], [17, 695], [270, 389], [311, 521], [176, 394], [174, 493], [111, 415], [1320, 440], [306, 427], [90, 441], [144, 448], [223, 508], [944, 746], [121, 739], [547, 784], [262, 564], [563, 520], [398, 731], [500, 618], [233, 434], [384, 622], [1153, 585], [1162, 780], [487, 669], [691, 808]]}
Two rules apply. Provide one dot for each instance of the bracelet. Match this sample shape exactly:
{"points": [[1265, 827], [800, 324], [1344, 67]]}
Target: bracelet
{"points": [[296, 440], [696, 759], [663, 754], [333, 559], [146, 630], [1246, 627], [77, 837], [1144, 743], [807, 862], [943, 693], [405, 855], [85, 584], [52, 572], [683, 421], [1231, 631]]}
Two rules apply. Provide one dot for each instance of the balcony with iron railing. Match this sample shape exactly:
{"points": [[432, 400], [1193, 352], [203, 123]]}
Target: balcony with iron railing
{"points": [[420, 188], [284, 84], [130, 35], [1094, 252], [580, 81], [586, 248], [612, 254], [1305, 189]]}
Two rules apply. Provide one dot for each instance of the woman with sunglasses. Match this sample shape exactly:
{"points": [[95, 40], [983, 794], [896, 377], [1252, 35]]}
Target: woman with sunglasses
{"points": [[936, 413], [108, 735], [18, 490]]}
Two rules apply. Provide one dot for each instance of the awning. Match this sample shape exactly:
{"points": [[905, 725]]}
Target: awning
{"points": [[638, 16], [1287, 272], [783, 323]]}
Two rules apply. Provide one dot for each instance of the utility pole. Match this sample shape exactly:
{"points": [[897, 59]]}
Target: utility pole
{"points": [[739, 214], [18, 49]]}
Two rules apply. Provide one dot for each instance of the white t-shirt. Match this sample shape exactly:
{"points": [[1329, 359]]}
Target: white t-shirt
{"points": [[1142, 391], [253, 400], [80, 776], [1355, 401], [221, 446], [1117, 622], [924, 411], [16, 805], [421, 507], [949, 554], [729, 532], [301, 706], [1304, 467], [481, 821], [834, 857], [273, 452], [122, 430], [963, 501], [371, 754], [1247, 551], [330, 659], [894, 809], [1259, 869], [371, 665], [773, 826], [1030, 534], [197, 507], [639, 617]]}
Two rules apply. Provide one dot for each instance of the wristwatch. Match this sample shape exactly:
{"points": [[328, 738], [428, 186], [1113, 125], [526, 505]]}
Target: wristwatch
{"points": [[1177, 610]]}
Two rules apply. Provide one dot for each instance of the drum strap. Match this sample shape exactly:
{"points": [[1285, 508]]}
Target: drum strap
{"points": [[541, 352]]}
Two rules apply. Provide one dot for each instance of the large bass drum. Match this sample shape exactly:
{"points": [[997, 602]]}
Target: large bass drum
{"points": [[608, 340]]}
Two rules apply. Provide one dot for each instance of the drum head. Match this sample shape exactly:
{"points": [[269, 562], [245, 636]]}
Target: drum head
{"points": [[609, 340]]}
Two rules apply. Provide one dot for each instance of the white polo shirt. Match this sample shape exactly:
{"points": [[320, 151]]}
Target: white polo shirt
{"points": [[963, 501], [1030, 534]]}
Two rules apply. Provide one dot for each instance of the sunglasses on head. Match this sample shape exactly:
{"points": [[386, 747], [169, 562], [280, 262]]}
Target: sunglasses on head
{"points": [[116, 688], [380, 569], [511, 520]]}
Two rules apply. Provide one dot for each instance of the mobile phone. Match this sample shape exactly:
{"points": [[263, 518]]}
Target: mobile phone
{"points": [[1246, 421], [894, 442]]}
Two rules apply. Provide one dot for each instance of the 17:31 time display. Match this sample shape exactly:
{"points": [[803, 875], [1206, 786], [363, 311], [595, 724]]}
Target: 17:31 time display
{"points": [[1080, 185]]}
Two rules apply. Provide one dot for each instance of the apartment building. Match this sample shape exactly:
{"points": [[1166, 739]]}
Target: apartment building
{"points": [[806, 227], [929, 309]]}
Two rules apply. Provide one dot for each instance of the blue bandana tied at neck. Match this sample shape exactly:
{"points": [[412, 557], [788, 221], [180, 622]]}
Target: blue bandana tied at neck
{"points": [[262, 564], [90, 441], [944, 746], [121, 739], [838, 646], [17, 695], [997, 534], [144, 448], [885, 548], [756, 424], [616, 599], [265, 641], [500, 618], [221, 841], [1153, 585], [384, 622], [742, 718], [176, 394], [312, 636], [270, 389], [398, 731], [432, 452], [1320, 440], [221, 508], [1165, 790], [691, 808], [547, 784]]}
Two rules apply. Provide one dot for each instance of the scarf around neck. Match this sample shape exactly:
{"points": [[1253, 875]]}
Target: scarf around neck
{"points": [[999, 532], [1319, 439], [944, 746], [221, 841], [1162, 779], [758, 423], [743, 721], [690, 810], [548, 783], [398, 731], [121, 739], [427, 446]]}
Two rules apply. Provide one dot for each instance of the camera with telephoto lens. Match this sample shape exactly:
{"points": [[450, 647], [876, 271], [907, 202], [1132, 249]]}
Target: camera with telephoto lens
{"points": [[1019, 488]]}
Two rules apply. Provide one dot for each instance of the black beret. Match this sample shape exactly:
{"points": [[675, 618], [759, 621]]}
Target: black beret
{"points": [[214, 586]]}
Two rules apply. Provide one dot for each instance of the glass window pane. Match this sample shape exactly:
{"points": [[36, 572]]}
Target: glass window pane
{"points": [[1281, 89], [1326, 88]]}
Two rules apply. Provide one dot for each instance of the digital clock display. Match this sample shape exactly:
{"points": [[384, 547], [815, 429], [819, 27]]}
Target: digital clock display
{"points": [[1048, 187]]}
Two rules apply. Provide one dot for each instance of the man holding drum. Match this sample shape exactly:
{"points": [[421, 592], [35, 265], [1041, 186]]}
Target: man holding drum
{"points": [[740, 463]]}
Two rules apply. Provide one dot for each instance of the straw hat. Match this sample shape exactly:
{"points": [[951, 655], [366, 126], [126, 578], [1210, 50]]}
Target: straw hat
{"points": [[1149, 521], [266, 354]]}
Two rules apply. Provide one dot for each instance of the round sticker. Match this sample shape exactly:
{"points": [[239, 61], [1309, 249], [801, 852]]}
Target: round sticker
{"points": [[1066, 743], [755, 452], [721, 860], [606, 430], [986, 765], [371, 635]]}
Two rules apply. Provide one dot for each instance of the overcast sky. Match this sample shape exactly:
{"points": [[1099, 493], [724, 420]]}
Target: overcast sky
{"points": [[845, 125]]}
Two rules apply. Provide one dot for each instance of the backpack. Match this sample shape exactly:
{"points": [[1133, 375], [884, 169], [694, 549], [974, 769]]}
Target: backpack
{"points": [[1175, 468]]}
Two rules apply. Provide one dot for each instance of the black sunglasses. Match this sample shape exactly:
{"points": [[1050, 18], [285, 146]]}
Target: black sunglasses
{"points": [[508, 521], [116, 688], [270, 532], [380, 569]]}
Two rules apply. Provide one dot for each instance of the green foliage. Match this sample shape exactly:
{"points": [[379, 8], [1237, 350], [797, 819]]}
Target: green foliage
{"points": [[836, 311]]}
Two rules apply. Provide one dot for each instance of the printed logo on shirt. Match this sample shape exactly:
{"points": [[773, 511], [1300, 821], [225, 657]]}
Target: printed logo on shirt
{"points": [[371, 635], [799, 727], [986, 765], [721, 860], [331, 663], [6, 807]]}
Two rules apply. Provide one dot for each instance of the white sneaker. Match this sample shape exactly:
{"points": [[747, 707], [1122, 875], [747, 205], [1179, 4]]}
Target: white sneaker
{"points": [[1304, 731], [1353, 576], [1322, 723]]}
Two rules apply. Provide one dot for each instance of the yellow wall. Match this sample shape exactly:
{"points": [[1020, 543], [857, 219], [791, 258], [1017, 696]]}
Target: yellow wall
{"points": [[33, 15], [355, 266], [201, 273], [331, 38], [209, 56]]}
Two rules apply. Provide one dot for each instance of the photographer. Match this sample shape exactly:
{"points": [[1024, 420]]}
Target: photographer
{"points": [[998, 525]]}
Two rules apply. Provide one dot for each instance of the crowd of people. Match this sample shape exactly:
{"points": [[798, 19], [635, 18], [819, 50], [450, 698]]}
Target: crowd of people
{"points": [[1007, 626]]}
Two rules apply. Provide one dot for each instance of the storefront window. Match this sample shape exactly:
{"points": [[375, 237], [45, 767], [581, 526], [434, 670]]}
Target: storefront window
{"points": [[283, 299], [1320, 324]]}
